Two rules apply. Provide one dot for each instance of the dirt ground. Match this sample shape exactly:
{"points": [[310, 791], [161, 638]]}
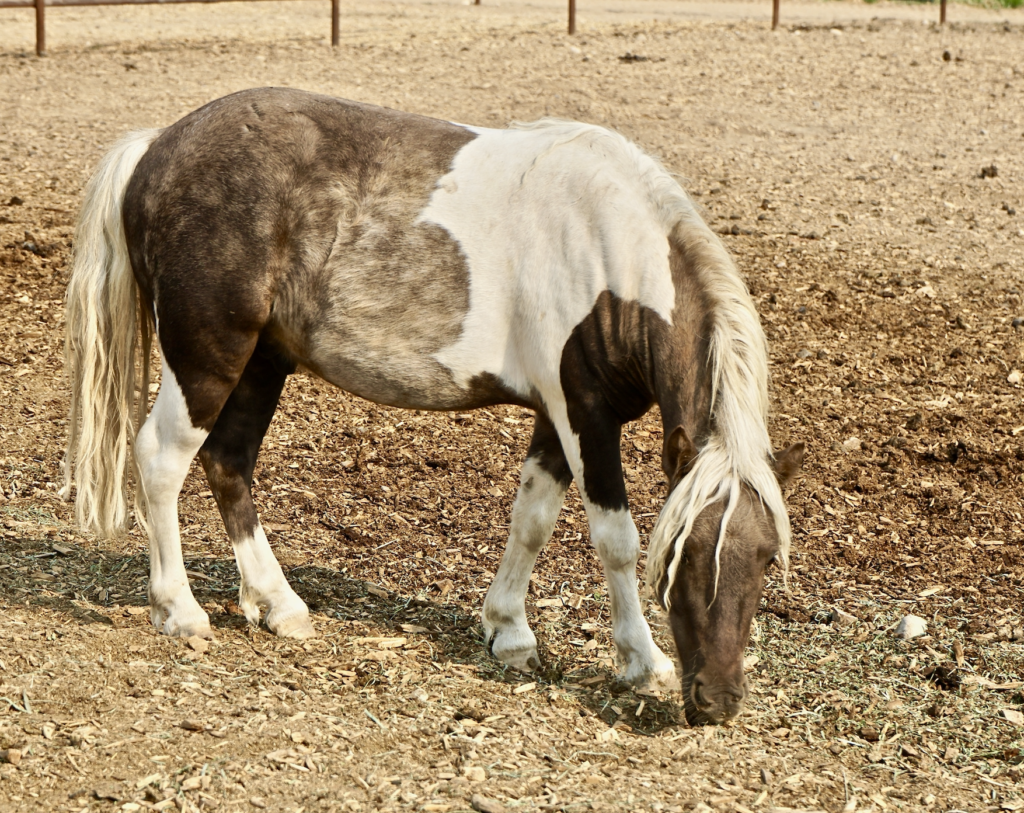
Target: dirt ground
{"points": [[870, 179]]}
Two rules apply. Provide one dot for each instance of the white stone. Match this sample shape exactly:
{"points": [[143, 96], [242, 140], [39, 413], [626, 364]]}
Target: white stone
{"points": [[911, 626]]}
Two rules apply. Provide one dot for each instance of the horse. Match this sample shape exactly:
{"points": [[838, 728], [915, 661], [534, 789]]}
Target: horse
{"points": [[428, 265]]}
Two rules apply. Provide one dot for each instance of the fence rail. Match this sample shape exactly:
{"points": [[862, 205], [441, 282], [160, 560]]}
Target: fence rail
{"points": [[40, 7]]}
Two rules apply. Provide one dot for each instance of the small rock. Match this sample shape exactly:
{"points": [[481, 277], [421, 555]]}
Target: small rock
{"points": [[947, 56], [485, 804], [804, 354], [869, 733], [12, 756], [836, 748], [766, 777], [15, 201], [1017, 323], [109, 793], [197, 644], [914, 422], [841, 619], [1014, 377], [1014, 716], [258, 802], [991, 171], [911, 626], [474, 773], [193, 725], [853, 444]]}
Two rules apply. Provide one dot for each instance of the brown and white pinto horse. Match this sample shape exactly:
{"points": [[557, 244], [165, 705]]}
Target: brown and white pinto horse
{"points": [[429, 265]]}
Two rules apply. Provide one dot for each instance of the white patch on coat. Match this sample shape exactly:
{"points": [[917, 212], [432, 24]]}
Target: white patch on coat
{"points": [[265, 586], [534, 515], [165, 447], [548, 216]]}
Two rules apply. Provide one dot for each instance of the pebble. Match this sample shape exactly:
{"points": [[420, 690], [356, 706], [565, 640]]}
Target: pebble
{"points": [[911, 626], [474, 773], [12, 756], [842, 619], [1014, 377], [484, 804], [804, 354], [869, 733]]}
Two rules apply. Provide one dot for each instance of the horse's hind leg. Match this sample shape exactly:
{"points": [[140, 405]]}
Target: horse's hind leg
{"points": [[164, 449], [543, 483], [229, 458]]}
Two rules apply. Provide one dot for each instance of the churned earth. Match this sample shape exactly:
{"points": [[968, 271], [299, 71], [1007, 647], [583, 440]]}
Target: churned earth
{"points": [[868, 176]]}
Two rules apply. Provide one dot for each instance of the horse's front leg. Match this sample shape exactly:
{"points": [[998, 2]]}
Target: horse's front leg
{"points": [[592, 439], [542, 486]]}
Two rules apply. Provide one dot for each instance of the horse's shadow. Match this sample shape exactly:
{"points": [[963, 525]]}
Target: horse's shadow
{"points": [[87, 586]]}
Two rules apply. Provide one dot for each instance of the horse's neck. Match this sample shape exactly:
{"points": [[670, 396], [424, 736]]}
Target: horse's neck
{"points": [[681, 352]]}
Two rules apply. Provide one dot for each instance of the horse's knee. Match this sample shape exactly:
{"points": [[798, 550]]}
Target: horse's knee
{"points": [[615, 537]]}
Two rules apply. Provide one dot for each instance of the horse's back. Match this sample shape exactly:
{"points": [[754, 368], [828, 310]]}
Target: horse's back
{"points": [[409, 260]]}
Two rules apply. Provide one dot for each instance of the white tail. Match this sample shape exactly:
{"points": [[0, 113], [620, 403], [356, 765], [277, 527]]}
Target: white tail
{"points": [[104, 326]]}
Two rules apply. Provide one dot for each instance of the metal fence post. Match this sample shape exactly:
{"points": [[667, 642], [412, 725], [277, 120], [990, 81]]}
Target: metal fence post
{"points": [[942, 12], [335, 22], [572, 16], [775, 13], [40, 27]]}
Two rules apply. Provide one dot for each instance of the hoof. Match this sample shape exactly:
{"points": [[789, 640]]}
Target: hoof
{"points": [[658, 674], [181, 624], [297, 627], [516, 650]]}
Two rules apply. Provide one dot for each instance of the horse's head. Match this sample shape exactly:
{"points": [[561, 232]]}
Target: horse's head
{"points": [[712, 583]]}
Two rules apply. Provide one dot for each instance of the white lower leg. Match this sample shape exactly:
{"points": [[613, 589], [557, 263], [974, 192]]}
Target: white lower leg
{"points": [[265, 587], [618, 545], [165, 447], [533, 519]]}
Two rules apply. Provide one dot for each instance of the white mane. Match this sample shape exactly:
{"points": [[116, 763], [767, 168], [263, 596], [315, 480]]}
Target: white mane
{"points": [[739, 450]]}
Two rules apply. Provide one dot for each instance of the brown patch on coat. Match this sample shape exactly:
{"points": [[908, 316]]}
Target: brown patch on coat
{"points": [[292, 215]]}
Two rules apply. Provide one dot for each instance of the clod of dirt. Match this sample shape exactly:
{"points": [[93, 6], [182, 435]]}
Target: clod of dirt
{"points": [[838, 618], [12, 756], [991, 171], [911, 626], [869, 733], [946, 56], [914, 422], [945, 677], [15, 201], [474, 773], [484, 804]]}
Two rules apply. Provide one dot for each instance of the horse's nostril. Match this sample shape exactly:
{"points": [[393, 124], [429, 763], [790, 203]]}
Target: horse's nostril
{"points": [[698, 694]]}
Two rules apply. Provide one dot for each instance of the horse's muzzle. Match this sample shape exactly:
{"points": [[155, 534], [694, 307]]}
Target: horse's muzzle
{"points": [[715, 701]]}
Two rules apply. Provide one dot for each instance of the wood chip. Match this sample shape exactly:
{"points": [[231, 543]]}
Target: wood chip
{"points": [[526, 687]]}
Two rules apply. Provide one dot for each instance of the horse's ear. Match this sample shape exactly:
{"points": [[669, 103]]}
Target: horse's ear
{"points": [[788, 462], [678, 455]]}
